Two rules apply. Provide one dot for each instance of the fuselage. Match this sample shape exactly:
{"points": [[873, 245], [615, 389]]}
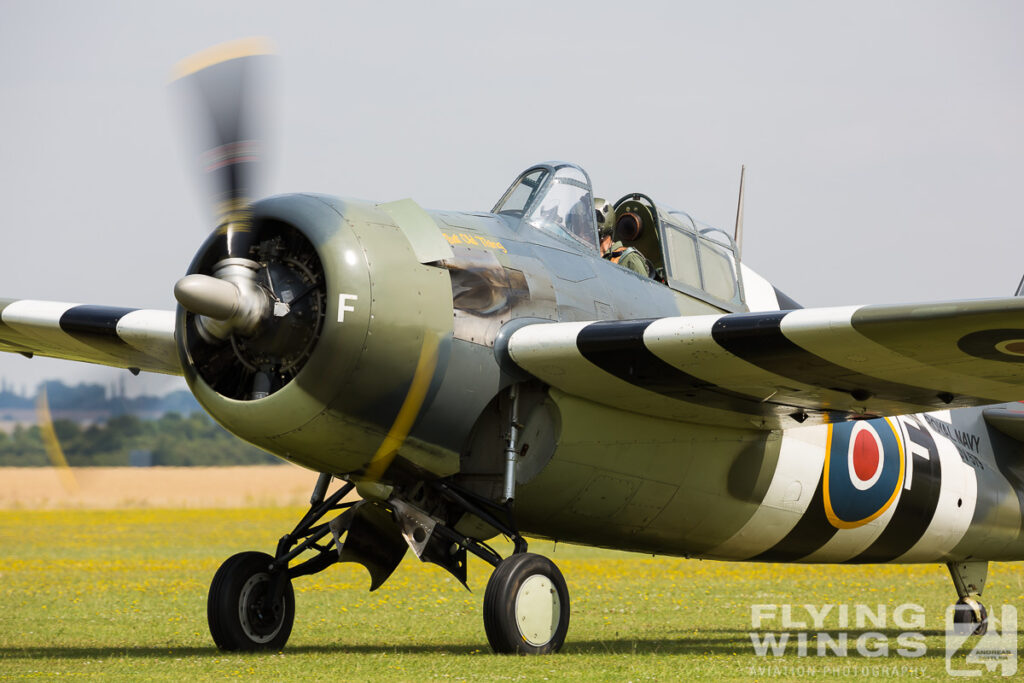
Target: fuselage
{"points": [[940, 486], [932, 487], [409, 373]]}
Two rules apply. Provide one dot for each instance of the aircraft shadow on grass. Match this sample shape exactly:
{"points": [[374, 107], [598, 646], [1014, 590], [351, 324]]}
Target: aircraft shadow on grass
{"points": [[707, 642]]}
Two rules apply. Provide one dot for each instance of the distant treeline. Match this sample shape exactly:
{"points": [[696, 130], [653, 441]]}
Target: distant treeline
{"points": [[172, 440], [96, 397]]}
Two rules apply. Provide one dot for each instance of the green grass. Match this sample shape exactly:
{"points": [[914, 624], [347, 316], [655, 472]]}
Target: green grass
{"points": [[119, 594]]}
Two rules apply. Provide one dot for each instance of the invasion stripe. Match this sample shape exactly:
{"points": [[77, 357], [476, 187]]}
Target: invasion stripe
{"points": [[758, 339], [36, 324], [100, 321], [617, 347], [810, 533], [5, 328], [96, 326], [916, 507], [120, 337]]}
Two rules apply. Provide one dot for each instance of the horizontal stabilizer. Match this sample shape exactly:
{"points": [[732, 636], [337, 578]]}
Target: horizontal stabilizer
{"points": [[1007, 420], [783, 368], [135, 339]]}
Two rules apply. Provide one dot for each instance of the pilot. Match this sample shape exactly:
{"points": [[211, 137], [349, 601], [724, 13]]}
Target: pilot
{"points": [[628, 257], [578, 223]]}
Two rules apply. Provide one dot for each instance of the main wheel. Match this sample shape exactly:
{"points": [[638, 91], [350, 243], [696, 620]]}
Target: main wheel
{"points": [[969, 618], [526, 606], [238, 607]]}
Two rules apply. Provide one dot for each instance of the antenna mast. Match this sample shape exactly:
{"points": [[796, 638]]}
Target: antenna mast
{"points": [[738, 234]]}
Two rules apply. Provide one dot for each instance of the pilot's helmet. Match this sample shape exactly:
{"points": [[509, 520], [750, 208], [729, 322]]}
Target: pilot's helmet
{"points": [[605, 216]]}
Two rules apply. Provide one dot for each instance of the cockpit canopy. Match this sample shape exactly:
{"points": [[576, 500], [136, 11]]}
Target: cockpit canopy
{"points": [[688, 256], [556, 198]]}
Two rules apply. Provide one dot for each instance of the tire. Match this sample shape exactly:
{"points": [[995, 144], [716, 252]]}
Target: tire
{"points": [[526, 606], [965, 619], [236, 609]]}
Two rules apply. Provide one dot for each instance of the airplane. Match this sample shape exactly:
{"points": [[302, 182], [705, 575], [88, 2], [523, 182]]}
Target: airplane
{"points": [[481, 374]]}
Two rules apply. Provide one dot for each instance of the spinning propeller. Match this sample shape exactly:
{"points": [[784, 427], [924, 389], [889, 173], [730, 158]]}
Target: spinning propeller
{"points": [[222, 81], [255, 305]]}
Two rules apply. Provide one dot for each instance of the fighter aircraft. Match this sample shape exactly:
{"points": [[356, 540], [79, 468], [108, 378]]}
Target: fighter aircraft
{"points": [[477, 374]]}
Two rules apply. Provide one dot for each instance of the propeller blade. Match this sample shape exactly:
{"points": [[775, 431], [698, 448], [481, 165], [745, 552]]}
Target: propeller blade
{"points": [[52, 443], [409, 411], [224, 85]]}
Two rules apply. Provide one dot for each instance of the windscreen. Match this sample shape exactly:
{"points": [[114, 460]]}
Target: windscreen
{"points": [[566, 207]]}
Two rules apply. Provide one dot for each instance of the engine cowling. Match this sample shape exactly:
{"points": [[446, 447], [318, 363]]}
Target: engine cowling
{"points": [[334, 378]]}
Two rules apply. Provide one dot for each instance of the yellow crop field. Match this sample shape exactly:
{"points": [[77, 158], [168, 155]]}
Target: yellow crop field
{"points": [[106, 488], [122, 594]]}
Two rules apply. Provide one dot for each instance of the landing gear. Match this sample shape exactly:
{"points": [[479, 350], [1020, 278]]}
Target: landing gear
{"points": [[247, 608], [526, 606], [969, 616], [251, 604]]}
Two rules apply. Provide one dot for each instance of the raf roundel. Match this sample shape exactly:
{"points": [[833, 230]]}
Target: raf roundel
{"points": [[864, 470], [1005, 345], [865, 457]]}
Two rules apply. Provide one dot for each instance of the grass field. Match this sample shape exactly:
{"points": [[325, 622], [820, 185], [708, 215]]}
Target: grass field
{"points": [[122, 594]]}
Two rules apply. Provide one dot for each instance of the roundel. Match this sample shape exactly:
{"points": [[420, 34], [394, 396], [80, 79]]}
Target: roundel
{"points": [[864, 469], [1006, 345]]}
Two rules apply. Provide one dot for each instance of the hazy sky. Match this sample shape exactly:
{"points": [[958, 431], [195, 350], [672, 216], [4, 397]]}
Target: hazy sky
{"points": [[882, 140]]}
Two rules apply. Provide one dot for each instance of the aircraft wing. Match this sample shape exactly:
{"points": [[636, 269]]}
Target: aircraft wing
{"points": [[122, 337], [784, 368]]}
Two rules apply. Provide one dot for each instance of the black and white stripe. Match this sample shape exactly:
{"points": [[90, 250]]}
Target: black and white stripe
{"points": [[130, 338], [781, 368]]}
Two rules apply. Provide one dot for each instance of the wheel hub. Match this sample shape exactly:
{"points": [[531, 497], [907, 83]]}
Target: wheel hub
{"points": [[537, 610], [260, 621]]}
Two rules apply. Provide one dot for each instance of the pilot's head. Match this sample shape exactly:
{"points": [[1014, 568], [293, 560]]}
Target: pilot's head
{"points": [[605, 216]]}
